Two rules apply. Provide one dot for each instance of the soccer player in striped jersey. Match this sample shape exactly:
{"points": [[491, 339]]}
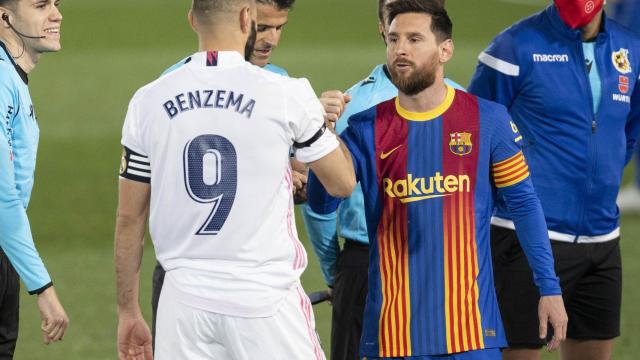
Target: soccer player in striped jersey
{"points": [[431, 162], [347, 277], [28, 29]]}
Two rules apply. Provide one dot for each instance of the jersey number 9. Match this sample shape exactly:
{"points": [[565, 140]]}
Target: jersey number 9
{"points": [[211, 177]]}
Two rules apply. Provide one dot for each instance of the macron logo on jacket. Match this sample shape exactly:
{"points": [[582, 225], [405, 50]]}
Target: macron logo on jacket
{"points": [[563, 58]]}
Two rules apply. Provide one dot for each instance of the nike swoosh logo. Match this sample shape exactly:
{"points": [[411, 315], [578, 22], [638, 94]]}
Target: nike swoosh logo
{"points": [[385, 155]]}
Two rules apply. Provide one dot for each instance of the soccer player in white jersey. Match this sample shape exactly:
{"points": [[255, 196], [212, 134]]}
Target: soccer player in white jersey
{"points": [[273, 16], [206, 155]]}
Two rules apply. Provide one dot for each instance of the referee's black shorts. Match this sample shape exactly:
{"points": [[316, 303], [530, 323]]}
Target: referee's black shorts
{"points": [[349, 296], [9, 307], [590, 277]]}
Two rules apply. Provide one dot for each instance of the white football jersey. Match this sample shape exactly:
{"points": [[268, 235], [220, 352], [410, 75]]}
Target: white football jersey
{"points": [[213, 138]]}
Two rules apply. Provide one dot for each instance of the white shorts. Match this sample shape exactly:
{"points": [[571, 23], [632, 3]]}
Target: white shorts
{"points": [[184, 332]]}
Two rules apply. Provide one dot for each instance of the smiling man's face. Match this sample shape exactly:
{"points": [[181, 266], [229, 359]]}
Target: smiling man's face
{"points": [[37, 18]]}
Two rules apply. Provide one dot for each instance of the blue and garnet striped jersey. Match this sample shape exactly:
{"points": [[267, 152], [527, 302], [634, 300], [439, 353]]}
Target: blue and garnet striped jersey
{"points": [[429, 181]]}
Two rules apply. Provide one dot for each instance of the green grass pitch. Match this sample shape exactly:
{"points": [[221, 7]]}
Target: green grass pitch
{"points": [[111, 48]]}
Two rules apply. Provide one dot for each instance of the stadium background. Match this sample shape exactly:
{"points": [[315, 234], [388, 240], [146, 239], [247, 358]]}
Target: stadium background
{"points": [[111, 48]]}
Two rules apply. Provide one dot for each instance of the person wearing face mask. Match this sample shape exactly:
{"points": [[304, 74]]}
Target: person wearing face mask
{"points": [[569, 77], [627, 13]]}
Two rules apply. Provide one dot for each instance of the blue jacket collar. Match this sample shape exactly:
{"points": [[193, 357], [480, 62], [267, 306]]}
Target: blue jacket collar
{"points": [[559, 26]]}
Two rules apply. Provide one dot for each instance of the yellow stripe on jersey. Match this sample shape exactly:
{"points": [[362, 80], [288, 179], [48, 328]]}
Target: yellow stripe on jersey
{"points": [[510, 171]]}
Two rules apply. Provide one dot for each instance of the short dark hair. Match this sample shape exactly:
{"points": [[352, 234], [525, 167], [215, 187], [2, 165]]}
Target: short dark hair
{"points": [[6, 2], [280, 4], [441, 24], [205, 10], [381, 4]]}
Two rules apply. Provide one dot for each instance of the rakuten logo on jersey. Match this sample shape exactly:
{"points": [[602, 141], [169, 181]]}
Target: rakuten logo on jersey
{"points": [[416, 189], [552, 58]]}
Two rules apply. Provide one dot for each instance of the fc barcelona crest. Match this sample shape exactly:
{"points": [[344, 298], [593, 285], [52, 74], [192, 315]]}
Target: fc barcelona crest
{"points": [[460, 143]]}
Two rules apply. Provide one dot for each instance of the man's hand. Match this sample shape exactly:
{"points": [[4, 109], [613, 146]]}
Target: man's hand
{"points": [[134, 339], [334, 102], [551, 310], [54, 319], [299, 173]]}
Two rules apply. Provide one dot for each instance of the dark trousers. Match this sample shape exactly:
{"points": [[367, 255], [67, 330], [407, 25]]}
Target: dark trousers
{"points": [[349, 296], [156, 288], [9, 307]]}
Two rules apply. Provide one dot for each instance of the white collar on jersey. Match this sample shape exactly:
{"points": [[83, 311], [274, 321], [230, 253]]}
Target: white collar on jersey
{"points": [[216, 58]]}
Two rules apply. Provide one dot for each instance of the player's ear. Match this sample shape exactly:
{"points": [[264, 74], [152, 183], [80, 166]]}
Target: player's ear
{"points": [[382, 32], [4, 14], [445, 50], [192, 21], [245, 20]]}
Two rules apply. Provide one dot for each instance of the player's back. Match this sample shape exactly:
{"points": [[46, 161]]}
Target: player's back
{"points": [[216, 135]]}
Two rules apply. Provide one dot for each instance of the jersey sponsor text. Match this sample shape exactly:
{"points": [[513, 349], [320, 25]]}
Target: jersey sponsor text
{"points": [[415, 189]]}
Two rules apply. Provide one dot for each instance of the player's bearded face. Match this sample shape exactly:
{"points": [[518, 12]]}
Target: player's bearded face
{"points": [[413, 53], [251, 41], [412, 78]]}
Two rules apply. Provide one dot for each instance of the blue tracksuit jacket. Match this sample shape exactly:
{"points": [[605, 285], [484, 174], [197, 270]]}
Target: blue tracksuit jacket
{"points": [[536, 68]]}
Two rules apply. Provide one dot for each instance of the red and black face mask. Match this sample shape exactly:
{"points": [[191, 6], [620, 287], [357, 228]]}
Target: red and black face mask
{"points": [[578, 13]]}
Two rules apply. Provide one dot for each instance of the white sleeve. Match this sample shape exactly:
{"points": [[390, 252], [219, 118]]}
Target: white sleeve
{"points": [[134, 164], [133, 129], [305, 116]]}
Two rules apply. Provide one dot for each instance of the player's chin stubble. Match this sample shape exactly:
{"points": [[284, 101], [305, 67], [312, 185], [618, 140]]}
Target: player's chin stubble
{"points": [[417, 80]]}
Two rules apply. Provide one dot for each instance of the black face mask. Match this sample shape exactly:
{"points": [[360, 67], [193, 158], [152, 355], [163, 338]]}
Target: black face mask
{"points": [[251, 41]]}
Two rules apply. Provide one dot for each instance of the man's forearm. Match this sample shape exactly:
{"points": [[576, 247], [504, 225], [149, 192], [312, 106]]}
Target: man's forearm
{"points": [[128, 257], [321, 230], [526, 211]]}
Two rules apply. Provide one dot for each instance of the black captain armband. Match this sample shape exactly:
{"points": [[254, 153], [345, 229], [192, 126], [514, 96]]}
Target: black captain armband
{"points": [[134, 166], [313, 139]]}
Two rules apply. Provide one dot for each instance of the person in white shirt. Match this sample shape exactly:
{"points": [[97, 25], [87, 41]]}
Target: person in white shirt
{"points": [[206, 157]]}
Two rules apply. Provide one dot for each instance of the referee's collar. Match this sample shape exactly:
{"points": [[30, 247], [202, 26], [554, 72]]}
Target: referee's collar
{"points": [[23, 75], [217, 58]]}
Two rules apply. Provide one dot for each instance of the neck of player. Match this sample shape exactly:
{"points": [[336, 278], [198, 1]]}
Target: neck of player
{"points": [[427, 100], [215, 43], [591, 31], [22, 53]]}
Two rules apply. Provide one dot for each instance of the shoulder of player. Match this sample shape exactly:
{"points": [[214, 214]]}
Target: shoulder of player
{"points": [[490, 112], [176, 66], [9, 78], [619, 32], [365, 117], [276, 70], [369, 83], [522, 32]]}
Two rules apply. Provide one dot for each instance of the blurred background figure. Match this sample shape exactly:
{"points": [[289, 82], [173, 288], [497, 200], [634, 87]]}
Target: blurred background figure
{"points": [[573, 92], [627, 13]]}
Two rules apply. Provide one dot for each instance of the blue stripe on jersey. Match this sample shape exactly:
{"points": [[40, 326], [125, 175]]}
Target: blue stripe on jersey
{"points": [[426, 134]]}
